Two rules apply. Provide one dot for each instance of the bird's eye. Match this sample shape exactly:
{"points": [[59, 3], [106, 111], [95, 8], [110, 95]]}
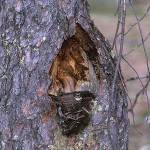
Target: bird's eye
{"points": [[77, 96]]}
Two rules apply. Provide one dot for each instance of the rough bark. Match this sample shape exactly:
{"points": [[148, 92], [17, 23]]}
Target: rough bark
{"points": [[31, 35]]}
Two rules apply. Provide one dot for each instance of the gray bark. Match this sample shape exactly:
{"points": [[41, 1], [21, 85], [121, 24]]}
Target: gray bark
{"points": [[31, 35]]}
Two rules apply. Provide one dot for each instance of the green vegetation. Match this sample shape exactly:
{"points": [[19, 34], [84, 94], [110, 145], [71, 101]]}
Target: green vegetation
{"points": [[109, 7], [103, 6]]}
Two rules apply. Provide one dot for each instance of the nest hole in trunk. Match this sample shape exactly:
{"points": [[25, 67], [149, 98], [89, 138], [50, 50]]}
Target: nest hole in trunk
{"points": [[76, 76]]}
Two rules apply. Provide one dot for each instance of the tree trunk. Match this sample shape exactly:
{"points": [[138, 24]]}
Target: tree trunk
{"points": [[39, 40]]}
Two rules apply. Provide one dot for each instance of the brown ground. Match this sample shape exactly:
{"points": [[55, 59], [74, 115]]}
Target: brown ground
{"points": [[107, 25]]}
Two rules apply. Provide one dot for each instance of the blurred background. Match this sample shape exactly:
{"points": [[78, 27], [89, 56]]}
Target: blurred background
{"points": [[103, 15]]}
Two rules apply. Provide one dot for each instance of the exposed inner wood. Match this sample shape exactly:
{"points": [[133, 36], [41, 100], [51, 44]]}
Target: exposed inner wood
{"points": [[76, 67]]}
